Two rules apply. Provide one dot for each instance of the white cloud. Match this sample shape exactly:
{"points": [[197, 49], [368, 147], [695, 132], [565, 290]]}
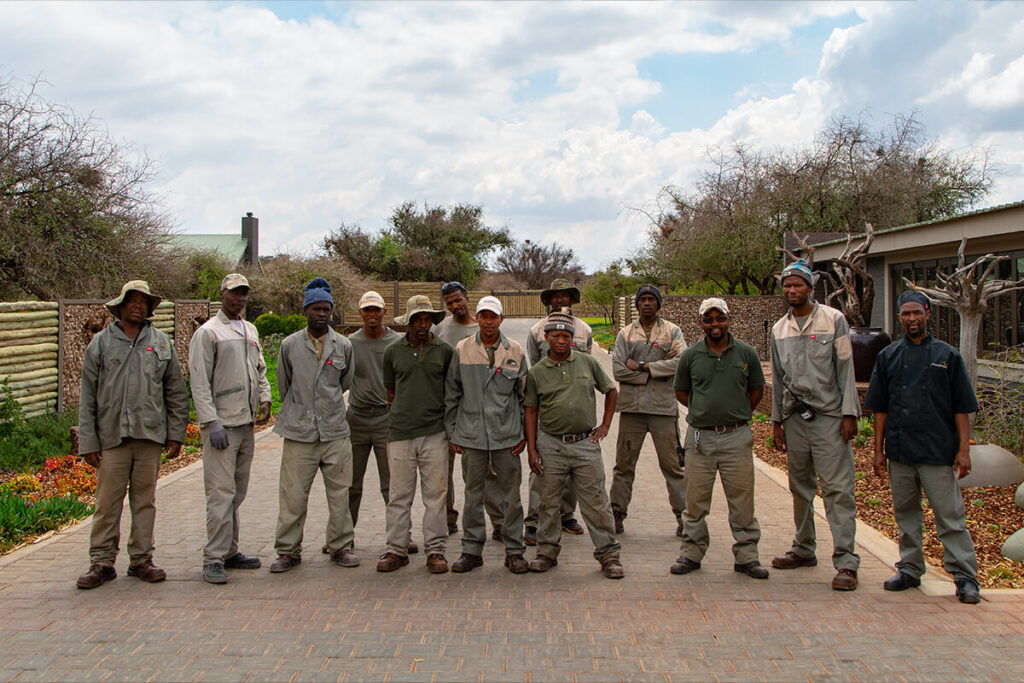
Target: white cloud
{"points": [[309, 124]]}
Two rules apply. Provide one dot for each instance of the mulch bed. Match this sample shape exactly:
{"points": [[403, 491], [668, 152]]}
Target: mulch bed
{"points": [[991, 514]]}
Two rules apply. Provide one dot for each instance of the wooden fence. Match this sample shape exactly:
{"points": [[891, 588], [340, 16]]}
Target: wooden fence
{"points": [[524, 303], [28, 354]]}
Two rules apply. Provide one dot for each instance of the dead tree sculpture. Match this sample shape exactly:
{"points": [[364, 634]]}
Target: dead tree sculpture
{"points": [[968, 294], [854, 301]]}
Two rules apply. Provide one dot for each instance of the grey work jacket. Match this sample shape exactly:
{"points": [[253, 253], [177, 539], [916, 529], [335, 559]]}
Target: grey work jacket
{"points": [[815, 363], [641, 391], [130, 390], [227, 372], [312, 389], [484, 404]]}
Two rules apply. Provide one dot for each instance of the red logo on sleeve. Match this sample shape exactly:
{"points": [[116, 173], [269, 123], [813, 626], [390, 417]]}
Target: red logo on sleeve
{"points": [[149, 348]]}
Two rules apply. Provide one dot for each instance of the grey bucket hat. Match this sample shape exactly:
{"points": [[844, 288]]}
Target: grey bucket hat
{"points": [[419, 303], [142, 286]]}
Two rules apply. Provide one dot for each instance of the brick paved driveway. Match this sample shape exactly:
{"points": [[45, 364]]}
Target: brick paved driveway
{"points": [[321, 622]]}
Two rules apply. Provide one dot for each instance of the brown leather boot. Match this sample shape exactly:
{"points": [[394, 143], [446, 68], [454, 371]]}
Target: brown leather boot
{"points": [[791, 561], [284, 563], [845, 580], [389, 562], [517, 564], [542, 563], [466, 562], [97, 575], [345, 557], [147, 571], [437, 564], [611, 567]]}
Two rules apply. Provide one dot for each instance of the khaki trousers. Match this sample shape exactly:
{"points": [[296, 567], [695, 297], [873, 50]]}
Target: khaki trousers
{"points": [[508, 471], [729, 455], [427, 455], [816, 453], [226, 478], [578, 465], [299, 465], [567, 507], [664, 431], [369, 432], [132, 466], [938, 483]]}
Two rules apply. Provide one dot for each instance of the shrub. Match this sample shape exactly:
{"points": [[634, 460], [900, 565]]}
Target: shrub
{"points": [[67, 475], [22, 485], [22, 519], [272, 324], [27, 446]]}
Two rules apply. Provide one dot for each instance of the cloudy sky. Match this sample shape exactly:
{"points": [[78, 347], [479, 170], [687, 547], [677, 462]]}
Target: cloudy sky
{"points": [[554, 117]]}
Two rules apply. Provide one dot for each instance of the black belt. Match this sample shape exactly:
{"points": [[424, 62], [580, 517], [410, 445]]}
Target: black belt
{"points": [[722, 429], [573, 438]]}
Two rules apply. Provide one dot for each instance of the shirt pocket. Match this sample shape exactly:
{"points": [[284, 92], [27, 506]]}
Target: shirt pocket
{"points": [[335, 365]]}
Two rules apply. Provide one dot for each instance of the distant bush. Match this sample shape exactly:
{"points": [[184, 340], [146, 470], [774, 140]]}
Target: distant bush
{"points": [[272, 323]]}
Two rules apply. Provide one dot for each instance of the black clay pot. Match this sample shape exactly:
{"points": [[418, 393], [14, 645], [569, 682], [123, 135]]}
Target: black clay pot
{"points": [[867, 343]]}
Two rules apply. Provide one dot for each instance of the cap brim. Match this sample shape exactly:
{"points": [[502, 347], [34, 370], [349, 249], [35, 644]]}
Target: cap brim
{"points": [[437, 316], [114, 304]]}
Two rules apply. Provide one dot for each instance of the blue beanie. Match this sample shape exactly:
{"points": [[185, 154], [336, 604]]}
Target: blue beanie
{"points": [[801, 269], [316, 291]]}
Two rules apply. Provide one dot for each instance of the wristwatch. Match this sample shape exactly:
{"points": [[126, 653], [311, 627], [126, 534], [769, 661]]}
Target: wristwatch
{"points": [[642, 364]]}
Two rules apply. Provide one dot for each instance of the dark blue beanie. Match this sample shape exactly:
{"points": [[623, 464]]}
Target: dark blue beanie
{"points": [[316, 291], [912, 296]]}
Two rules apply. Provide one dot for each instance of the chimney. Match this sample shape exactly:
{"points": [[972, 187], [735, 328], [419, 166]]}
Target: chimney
{"points": [[251, 234]]}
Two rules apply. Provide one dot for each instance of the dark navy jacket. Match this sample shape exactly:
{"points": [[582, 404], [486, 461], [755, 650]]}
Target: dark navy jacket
{"points": [[920, 387]]}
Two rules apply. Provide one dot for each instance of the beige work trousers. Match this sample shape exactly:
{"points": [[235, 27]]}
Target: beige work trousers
{"points": [[132, 466], [427, 456], [299, 465], [664, 431], [369, 427], [226, 478], [729, 455]]}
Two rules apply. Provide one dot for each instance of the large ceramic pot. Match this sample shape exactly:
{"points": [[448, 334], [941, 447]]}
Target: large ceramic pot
{"points": [[867, 342]]}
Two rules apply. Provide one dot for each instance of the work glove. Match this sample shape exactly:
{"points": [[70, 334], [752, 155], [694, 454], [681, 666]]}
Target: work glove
{"points": [[218, 437]]}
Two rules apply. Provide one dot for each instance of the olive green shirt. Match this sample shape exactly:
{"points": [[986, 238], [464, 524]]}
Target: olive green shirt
{"points": [[719, 386], [418, 382], [368, 382], [563, 393]]}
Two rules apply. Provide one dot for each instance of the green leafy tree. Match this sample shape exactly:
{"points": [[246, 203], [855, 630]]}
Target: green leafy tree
{"points": [[423, 244], [726, 228], [537, 265], [605, 285]]}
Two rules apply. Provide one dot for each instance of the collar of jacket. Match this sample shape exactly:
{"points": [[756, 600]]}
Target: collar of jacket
{"points": [[143, 330], [227, 321], [502, 339], [552, 363], [810, 318]]}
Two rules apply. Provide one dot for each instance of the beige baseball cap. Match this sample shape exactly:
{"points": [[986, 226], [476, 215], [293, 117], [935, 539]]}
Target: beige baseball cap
{"points": [[490, 303], [713, 302], [234, 281], [371, 298]]}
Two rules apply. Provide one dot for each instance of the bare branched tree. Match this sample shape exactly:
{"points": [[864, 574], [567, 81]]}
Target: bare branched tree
{"points": [[967, 290], [537, 265]]}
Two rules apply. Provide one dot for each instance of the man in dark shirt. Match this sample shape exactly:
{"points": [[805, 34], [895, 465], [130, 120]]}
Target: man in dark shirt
{"points": [[921, 396], [414, 370], [719, 380]]}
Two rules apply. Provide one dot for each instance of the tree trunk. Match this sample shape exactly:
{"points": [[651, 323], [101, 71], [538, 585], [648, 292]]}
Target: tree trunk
{"points": [[970, 324]]}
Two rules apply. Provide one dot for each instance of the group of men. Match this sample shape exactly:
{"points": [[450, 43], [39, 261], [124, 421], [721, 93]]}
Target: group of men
{"points": [[457, 386]]}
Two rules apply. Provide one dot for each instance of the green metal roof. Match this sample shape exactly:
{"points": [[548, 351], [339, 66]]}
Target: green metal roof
{"points": [[232, 246], [991, 209]]}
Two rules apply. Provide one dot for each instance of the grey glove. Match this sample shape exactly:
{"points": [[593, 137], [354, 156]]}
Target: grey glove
{"points": [[218, 437]]}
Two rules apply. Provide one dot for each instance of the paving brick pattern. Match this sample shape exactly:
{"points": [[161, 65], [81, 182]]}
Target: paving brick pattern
{"points": [[322, 622]]}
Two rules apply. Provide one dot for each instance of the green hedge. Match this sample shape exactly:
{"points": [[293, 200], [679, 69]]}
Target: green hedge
{"points": [[272, 323]]}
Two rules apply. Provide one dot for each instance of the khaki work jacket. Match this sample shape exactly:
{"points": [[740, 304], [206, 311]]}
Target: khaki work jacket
{"points": [[641, 391], [130, 390], [227, 372], [312, 389], [484, 405]]}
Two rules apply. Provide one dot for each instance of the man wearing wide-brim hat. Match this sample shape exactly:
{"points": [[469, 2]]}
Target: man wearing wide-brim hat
{"points": [[561, 295], [415, 367], [231, 394], [133, 405]]}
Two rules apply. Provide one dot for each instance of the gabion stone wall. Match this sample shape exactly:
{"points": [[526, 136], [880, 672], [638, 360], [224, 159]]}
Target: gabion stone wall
{"points": [[188, 316], [79, 323], [752, 317]]}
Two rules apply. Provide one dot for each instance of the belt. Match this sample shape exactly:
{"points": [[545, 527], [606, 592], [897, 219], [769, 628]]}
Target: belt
{"points": [[573, 438], [722, 429]]}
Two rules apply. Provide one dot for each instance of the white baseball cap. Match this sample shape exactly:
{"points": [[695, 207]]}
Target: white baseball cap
{"points": [[713, 302], [490, 303], [371, 298]]}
